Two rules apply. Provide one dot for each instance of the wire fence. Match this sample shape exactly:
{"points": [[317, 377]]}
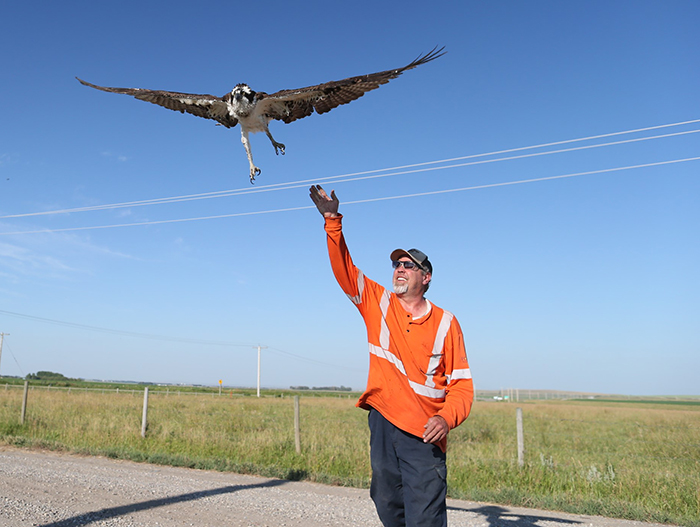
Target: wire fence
{"points": [[541, 428], [511, 395], [625, 448], [170, 390]]}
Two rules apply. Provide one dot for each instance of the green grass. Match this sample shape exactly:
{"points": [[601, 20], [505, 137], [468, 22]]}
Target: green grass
{"points": [[640, 462], [643, 401]]}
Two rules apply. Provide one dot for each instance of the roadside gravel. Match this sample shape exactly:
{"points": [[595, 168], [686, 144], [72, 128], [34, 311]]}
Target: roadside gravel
{"points": [[50, 489]]}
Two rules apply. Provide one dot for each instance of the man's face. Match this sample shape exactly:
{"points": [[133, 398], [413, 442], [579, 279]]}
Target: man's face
{"points": [[409, 280]]}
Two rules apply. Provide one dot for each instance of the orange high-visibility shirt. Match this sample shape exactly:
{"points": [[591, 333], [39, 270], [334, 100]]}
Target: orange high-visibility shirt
{"points": [[418, 367]]}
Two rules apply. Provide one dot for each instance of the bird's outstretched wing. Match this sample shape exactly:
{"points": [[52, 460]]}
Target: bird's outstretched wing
{"points": [[206, 106], [290, 105]]}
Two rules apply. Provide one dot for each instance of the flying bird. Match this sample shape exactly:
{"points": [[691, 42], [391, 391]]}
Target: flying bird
{"points": [[254, 110]]}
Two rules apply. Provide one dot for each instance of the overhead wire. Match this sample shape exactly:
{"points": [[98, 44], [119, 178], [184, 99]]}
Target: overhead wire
{"points": [[370, 174], [522, 181], [378, 173], [9, 348], [124, 333], [368, 200], [166, 338], [300, 357]]}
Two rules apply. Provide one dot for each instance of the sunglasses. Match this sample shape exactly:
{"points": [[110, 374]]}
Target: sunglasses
{"points": [[406, 265]]}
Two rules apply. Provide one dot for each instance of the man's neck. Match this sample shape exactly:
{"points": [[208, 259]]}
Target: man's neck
{"points": [[415, 305]]}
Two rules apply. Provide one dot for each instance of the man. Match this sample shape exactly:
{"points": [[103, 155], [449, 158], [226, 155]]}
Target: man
{"points": [[419, 384]]}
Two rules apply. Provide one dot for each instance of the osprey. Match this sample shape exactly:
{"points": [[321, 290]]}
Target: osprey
{"points": [[254, 110]]}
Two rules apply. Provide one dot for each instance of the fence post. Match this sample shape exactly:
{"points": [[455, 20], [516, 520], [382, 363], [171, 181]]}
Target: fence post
{"points": [[24, 402], [521, 439], [297, 425], [144, 418]]}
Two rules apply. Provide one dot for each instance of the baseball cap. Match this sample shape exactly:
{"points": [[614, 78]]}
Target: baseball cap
{"points": [[417, 256]]}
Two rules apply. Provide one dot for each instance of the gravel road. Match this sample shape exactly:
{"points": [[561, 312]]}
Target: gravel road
{"points": [[50, 489]]}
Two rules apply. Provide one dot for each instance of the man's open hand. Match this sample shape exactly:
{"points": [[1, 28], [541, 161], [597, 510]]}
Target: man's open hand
{"points": [[328, 206]]}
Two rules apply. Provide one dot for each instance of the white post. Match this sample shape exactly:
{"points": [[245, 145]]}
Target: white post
{"points": [[259, 348], [144, 418], [24, 402], [297, 425], [521, 439], [2, 337], [258, 371]]}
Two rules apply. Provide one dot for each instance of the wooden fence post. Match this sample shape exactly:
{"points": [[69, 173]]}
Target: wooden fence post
{"points": [[297, 425], [24, 402], [521, 439], [144, 418]]}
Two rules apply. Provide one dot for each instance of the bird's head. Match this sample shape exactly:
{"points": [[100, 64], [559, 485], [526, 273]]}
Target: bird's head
{"points": [[242, 90]]}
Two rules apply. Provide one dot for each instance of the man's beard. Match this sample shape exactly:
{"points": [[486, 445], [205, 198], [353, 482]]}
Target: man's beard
{"points": [[400, 289]]}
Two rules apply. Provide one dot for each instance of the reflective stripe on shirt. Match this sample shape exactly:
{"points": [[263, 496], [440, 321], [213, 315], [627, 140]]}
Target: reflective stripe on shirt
{"points": [[360, 287], [459, 374], [438, 346], [384, 329], [382, 351]]}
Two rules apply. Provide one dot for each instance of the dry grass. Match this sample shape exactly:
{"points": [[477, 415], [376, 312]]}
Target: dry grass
{"points": [[637, 461]]}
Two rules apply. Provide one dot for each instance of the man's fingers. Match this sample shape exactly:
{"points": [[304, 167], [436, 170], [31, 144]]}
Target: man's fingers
{"points": [[435, 429], [430, 431], [435, 435], [323, 193], [318, 192]]}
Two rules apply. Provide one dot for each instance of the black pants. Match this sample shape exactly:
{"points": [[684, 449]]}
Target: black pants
{"points": [[409, 484]]}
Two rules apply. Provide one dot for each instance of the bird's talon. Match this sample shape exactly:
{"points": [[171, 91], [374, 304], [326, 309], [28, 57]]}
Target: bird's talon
{"points": [[253, 173]]}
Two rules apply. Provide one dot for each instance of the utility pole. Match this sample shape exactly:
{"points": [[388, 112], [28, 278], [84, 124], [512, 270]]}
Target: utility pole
{"points": [[259, 348], [2, 337]]}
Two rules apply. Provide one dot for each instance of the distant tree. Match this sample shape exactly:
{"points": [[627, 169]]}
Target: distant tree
{"points": [[47, 376]]}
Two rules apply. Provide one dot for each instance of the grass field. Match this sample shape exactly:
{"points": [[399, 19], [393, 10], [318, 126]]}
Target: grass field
{"points": [[634, 460]]}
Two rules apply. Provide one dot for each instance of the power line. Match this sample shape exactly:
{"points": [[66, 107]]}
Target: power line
{"points": [[403, 196], [312, 360], [377, 172], [9, 348], [156, 222], [522, 181], [124, 333], [156, 337]]}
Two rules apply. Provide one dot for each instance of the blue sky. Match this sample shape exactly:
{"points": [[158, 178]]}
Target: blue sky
{"points": [[585, 283]]}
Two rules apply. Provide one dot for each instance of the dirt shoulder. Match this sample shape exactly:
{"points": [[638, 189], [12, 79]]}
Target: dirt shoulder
{"points": [[49, 489]]}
